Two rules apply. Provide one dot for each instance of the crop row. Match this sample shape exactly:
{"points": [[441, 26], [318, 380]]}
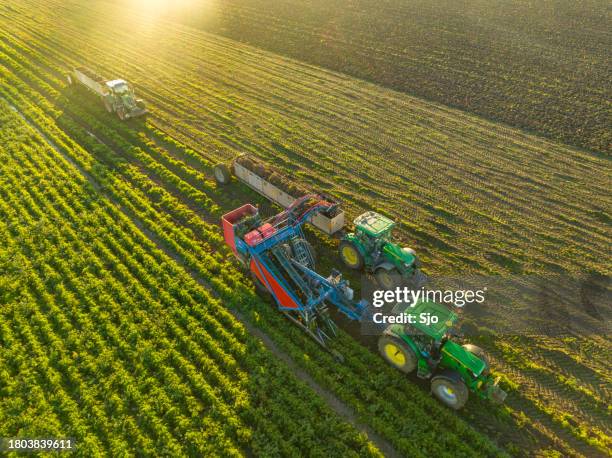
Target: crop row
{"points": [[464, 180], [177, 99], [124, 354], [352, 383], [500, 61], [175, 208], [178, 203]]}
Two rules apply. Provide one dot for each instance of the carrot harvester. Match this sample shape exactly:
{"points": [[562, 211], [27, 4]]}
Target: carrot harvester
{"points": [[282, 265]]}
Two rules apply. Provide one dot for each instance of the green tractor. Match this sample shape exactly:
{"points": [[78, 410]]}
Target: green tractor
{"points": [[371, 248], [425, 344]]}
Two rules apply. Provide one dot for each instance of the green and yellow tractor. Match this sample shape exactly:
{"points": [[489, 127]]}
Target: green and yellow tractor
{"points": [[423, 341], [372, 248]]}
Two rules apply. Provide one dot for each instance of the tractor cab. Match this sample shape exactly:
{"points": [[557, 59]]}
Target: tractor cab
{"points": [[373, 226], [121, 90], [429, 329], [126, 103], [118, 87], [372, 248], [433, 320]]}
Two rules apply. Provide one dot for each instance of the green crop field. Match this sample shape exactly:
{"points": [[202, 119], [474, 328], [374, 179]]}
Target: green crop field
{"points": [[127, 324], [105, 339]]}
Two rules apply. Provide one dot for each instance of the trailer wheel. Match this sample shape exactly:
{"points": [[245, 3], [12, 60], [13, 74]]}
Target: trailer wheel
{"points": [[222, 173], [69, 79], [449, 389], [388, 279], [480, 353], [397, 353], [350, 255]]}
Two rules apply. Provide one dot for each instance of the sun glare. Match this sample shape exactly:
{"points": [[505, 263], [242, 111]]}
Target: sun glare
{"points": [[157, 8]]}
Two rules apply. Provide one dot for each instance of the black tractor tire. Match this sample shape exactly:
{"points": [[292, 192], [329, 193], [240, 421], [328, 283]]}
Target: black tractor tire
{"points": [[397, 353], [417, 262], [480, 353], [222, 173], [388, 279], [350, 255], [417, 280], [69, 79], [450, 390]]}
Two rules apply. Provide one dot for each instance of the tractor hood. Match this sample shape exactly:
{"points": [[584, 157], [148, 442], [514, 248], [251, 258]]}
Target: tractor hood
{"points": [[402, 255], [464, 357], [131, 105]]}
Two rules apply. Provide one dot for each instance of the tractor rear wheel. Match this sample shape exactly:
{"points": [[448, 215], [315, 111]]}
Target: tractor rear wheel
{"points": [[397, 353], [350, 255], [480, 353], [417, 280], [450, 390], [388, 279], [222, 173]]}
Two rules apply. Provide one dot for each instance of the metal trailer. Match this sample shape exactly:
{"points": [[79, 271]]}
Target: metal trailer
{"points": [[116, 95], [91, 80], [330, 222]]}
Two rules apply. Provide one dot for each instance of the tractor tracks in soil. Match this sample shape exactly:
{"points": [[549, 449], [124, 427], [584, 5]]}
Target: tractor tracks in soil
{"points": [[334, 403], [532, 401]]}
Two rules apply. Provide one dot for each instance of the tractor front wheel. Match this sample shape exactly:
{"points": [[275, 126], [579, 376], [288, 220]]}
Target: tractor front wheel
{"points": [[222, 173], [350, 255], [450, 390], [388, 279], [397, 353], [69, 79]]}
